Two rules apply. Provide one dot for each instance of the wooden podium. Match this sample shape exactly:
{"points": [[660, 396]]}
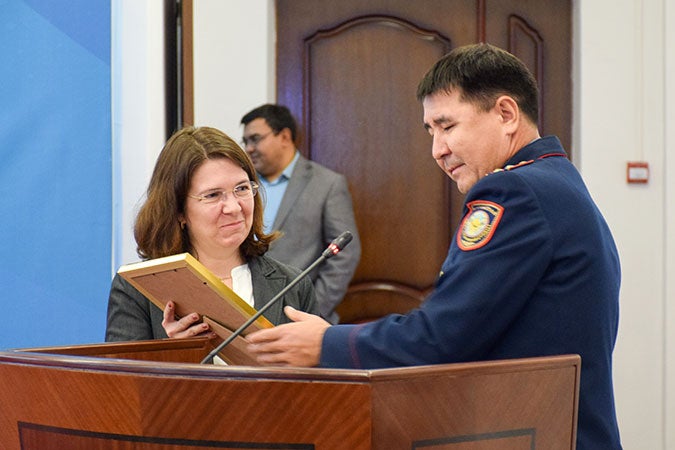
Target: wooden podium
{"points": [[154, 395]]}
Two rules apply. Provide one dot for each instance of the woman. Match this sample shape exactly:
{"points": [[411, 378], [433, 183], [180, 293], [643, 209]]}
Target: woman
{"points": [[202, 200]]}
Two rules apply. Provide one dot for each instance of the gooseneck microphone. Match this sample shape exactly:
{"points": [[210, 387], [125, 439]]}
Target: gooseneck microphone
{"points": [[335, 247]]}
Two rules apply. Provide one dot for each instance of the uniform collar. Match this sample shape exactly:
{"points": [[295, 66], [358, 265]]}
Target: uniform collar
{"points": [[539, 148]]}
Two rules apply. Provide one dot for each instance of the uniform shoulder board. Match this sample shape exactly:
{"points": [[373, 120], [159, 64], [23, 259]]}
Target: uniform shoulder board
{"points": [[514, 166]]}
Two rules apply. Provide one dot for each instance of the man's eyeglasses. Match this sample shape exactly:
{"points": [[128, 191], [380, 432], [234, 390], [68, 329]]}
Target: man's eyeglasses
{"points": [[254, 139], [243, 190]]}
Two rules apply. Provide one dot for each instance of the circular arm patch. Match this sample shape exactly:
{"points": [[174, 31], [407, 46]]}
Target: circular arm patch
{"points": [[479, 224]]}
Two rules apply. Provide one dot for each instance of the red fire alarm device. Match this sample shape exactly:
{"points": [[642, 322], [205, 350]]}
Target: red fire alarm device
{"points": [[637, 172]]}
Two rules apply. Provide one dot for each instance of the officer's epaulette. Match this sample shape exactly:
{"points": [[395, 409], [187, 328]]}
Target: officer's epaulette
{"points": [[514, 166]]}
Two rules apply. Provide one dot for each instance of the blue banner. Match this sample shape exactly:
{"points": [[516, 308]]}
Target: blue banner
{"points": [[55, 171]]}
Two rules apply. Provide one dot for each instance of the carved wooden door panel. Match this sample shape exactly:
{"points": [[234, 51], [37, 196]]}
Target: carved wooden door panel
{"points": [[348, 70]]}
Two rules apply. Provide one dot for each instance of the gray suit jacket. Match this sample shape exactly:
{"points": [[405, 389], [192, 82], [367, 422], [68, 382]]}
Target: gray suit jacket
{"points": [[316, 208], [132, 317]]}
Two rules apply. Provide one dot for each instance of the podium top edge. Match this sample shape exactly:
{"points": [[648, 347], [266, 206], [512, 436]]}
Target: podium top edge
{"points": [[157, 368]]}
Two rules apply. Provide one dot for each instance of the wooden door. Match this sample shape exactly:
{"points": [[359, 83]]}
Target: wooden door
{"points": [[348, 70]]}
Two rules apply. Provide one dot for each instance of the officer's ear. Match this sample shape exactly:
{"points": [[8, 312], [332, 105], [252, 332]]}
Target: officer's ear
{"points": [[508, 111]]}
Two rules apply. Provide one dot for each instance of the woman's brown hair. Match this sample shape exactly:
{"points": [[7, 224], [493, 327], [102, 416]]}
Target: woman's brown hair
{"points": [[158, 230]]}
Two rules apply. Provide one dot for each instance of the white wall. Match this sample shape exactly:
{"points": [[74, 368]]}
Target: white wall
{"points": [[138, 112], [624, 86], [234, 60], [621, 115], [669, 219]]}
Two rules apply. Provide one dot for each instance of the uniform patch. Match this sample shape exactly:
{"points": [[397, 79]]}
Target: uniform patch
{"points": [[479, 224]]}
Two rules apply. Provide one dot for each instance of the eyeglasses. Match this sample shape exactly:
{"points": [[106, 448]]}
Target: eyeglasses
{"points": [[243, 190], [254, 139]]}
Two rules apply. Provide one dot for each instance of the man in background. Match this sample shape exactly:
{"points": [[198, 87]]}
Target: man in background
{"points": [[308, 203]]}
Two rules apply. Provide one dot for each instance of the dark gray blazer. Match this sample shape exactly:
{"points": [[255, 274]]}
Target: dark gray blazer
{"points": [[132, 317], [317, 208]]}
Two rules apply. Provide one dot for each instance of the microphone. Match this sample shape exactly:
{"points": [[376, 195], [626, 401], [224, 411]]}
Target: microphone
{"points": [[335, 247]]}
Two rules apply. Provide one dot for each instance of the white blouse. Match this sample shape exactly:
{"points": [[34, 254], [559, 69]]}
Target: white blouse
{"points": [[242, 284]]}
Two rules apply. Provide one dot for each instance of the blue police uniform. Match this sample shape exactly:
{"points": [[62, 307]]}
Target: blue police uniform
{"points": [[532, 271]]}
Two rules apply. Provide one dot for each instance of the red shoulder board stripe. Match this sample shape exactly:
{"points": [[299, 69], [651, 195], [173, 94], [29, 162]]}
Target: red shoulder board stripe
{"points": [[548, 155]]}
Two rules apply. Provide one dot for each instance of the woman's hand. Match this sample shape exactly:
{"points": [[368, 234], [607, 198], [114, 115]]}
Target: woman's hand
{"points": [[187, 326]]}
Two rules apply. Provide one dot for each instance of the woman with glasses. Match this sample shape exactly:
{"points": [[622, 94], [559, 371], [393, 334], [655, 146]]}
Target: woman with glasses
{"points": [[202, 200]]}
